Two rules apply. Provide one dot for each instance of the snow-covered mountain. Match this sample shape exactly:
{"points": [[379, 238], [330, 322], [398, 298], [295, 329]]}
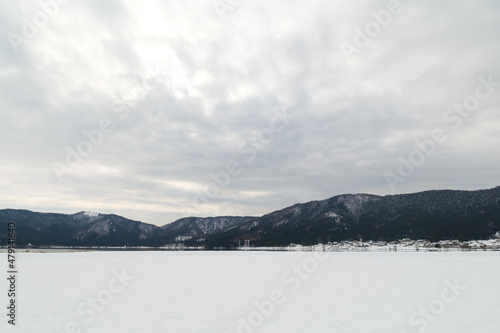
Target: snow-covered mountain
{"points": [[432, 215], [80, 229], [194, 230], [94, 229]]}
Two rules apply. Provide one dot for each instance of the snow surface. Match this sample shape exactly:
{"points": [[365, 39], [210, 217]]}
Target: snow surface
{"points": [[331, 214], [91, 214], [204, 292], [183, 238]]}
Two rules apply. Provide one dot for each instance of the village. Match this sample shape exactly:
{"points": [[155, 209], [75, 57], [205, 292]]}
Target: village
{"points": [[405, 244]]}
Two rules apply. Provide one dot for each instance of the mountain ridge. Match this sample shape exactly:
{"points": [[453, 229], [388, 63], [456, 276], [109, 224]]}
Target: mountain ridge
{"points": [[431, 214]]}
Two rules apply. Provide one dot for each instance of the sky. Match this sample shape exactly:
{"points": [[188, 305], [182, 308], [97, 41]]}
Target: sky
{"points": [[158, 110]]}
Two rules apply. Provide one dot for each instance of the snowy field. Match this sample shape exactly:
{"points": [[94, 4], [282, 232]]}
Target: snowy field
{"points": [[272, 292]]}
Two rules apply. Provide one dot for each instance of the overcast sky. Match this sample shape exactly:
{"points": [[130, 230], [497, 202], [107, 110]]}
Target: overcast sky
{"points": [[280, 101]]}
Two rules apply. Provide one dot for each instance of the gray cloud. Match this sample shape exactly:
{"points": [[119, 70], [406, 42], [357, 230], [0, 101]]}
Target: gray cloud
{"points": [[223, 80]]}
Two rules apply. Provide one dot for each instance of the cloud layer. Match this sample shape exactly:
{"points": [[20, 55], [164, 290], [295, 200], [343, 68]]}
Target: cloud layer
{"points": [[303, 100]]}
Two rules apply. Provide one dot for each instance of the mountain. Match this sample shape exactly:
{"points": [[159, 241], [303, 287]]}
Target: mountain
{"points": [[432, 215], [194, 230], [94, 229], [80, 229]]}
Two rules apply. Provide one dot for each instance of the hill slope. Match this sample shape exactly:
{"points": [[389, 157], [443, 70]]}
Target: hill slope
{"points": [[432, 215]]}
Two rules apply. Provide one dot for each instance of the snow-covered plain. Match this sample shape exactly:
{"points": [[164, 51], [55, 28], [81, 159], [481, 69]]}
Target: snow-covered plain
{"points": [[272, 292]]}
